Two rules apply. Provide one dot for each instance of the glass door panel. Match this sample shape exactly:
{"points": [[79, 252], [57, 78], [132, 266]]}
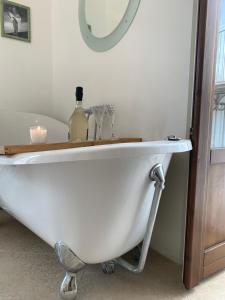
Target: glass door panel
{"points": [[218, 125]]}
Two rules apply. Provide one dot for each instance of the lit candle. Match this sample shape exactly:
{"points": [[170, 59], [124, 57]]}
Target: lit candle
{"points": [[38, 135]]}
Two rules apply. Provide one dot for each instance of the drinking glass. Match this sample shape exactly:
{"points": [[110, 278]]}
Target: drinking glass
{"points": [[111, 113], [98, 113]]}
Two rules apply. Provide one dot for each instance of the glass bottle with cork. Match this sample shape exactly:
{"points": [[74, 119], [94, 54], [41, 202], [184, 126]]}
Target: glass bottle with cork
{"points": [[78, 123]]}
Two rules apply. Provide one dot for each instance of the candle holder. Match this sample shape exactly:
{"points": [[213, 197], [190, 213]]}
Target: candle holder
{"points": [[38, 135]]}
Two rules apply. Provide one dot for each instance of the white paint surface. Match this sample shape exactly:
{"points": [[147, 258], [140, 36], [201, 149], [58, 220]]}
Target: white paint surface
{"points": [[26, 68], [147, 76]]}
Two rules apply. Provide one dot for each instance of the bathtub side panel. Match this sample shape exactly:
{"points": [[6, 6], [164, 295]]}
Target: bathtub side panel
{"points": [[100, 208]]}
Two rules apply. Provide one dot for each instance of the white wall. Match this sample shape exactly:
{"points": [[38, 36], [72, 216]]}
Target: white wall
{"points": [[147, 73], [26, 69], [169, 233], [147, 77]]}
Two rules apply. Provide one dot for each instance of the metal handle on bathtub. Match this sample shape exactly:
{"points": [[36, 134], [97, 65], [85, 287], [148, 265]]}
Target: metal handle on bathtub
{"points": [[156, 175], [173, 138]]}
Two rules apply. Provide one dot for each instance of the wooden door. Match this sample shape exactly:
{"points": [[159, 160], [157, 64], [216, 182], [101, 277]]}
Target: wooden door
{"points": [[214, 227], [205, 237]]}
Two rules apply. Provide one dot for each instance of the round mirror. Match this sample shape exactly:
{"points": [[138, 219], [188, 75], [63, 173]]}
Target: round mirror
{"points": [[103, 16], [103, 23]]}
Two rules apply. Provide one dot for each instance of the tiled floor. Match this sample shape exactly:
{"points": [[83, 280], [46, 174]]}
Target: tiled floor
{"points": [[30, 271]]}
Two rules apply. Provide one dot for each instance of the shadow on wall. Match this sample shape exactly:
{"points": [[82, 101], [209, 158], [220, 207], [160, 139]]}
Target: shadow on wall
{"points": [[169, 232]]}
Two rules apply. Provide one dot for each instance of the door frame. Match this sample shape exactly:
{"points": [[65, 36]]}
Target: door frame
{"points": [[200, 136]]}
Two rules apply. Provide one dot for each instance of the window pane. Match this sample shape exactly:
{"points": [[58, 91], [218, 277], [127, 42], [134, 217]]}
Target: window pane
{"points": [[220, 66]]}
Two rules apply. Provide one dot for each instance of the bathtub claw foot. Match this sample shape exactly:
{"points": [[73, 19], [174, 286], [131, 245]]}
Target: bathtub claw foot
{"points": [[68, 290], [108, 267], [72, 264]]}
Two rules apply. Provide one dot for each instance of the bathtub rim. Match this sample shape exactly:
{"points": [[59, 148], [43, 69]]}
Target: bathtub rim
{"points": [[98, 152]]}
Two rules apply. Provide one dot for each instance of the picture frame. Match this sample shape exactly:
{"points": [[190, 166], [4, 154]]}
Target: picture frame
{"points": [[15, 21]]}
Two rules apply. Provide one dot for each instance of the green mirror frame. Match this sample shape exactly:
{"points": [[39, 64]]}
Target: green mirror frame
{"points": [[108, 42]]}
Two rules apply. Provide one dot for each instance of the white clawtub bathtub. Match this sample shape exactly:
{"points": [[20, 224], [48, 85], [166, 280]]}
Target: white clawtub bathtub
{"points": [[94, 202]]}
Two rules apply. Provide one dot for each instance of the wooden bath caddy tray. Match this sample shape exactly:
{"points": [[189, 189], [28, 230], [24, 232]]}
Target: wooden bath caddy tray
{"points": [[16, 149]]}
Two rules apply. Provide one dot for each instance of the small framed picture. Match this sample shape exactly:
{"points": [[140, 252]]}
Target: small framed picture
{"points": [[15, 21]]}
